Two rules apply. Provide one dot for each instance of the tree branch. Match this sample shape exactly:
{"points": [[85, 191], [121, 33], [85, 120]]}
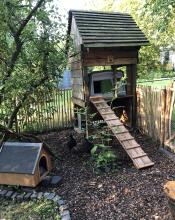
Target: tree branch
{"points": [[24, 98], [19, 43], [29, 137]]}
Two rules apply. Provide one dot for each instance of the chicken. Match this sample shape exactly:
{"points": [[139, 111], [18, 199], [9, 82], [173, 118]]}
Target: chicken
{"points": [[72, 142], [87, 145], [124, 117]]}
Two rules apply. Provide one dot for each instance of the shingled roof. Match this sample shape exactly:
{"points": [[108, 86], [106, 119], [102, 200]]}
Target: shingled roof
{"points": [[102, 29]]}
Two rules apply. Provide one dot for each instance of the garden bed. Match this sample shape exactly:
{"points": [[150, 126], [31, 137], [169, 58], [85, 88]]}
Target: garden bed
{"points": [[124, 194]]}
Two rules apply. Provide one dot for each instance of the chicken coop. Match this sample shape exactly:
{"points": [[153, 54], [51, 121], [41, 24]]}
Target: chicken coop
{"points": [[104, 60]]}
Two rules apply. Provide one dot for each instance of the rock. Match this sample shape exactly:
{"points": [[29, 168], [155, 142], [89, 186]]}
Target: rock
{"points": [[20, 196], [60, 202], [9, 194], [3, 192], [63, 208], [40, 195], [56, 180], [50, 196], [34, 196], [27, 196], [46, 181], [28, 189], [56, 198], [14, 195], [65, 215], [46, 194]]}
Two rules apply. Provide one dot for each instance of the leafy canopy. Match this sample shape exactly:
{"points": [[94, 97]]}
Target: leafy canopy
{"points": [[31, 52]]}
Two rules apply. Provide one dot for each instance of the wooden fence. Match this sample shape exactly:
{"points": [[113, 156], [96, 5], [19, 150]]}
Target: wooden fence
{"points": [[53, 111], [155, 112]]}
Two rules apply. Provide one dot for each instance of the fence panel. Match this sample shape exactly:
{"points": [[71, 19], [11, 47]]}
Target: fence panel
{"points": [[53, 111], [154, 107]]}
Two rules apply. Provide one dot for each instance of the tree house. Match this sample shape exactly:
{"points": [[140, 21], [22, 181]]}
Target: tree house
{"points": [[24, 164], [109, 43]]}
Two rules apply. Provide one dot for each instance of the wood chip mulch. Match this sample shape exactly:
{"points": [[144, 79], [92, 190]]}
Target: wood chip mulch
{"points": [[125, 194]]}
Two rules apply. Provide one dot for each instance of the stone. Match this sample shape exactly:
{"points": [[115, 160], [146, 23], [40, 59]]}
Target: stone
{"points": [[9, 194], [56, 180], [56, 198], [65, 212], [28, 189], [20, 196], [33, 196], [46, 181], [63, 208], [66, 216], [61, 202], [3, 192], [51, 196], [14, 195], [46, 194], [27, 196], [40, 195]]}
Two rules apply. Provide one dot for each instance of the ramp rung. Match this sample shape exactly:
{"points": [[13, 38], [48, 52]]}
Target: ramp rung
{"points": [[132, 147], [128, 139], [120, 132], [98, 102], [146, 165], [142, 155], [118, 123], [104, 107], [110, 119], [108, 113]]}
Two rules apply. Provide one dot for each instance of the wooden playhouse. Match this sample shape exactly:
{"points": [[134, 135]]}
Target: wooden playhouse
{"points": [[107, 43], [24, 164]]}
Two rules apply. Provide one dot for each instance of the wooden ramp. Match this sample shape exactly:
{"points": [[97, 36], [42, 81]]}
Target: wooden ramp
{"points": [[133, 149]]}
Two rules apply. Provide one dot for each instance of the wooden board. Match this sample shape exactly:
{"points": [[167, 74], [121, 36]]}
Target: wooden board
{"points": [[127, 141]]}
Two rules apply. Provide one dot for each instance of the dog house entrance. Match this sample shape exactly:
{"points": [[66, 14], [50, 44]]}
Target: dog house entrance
{"points": [[43, 166]]}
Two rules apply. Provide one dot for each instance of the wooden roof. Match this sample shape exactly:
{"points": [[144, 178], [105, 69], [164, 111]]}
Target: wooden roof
{"points": [[102, 29], [19, 157]]}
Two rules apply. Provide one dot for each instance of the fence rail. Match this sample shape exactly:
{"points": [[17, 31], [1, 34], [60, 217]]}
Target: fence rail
{"points": [[53, 111]]}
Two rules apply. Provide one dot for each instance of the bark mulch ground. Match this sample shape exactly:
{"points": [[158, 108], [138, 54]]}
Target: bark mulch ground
{"points": [[125, 194]]}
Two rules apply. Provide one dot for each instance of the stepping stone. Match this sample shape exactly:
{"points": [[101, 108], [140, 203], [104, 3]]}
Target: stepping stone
{"points": [[56, 180]]}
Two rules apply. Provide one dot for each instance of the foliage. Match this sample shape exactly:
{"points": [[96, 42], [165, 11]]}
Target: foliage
{"points": [[31, 54], [104, 157], [101, 154]]}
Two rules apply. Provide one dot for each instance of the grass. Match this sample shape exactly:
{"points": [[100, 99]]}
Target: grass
{"points": [[156, 83], [38, 210]]}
